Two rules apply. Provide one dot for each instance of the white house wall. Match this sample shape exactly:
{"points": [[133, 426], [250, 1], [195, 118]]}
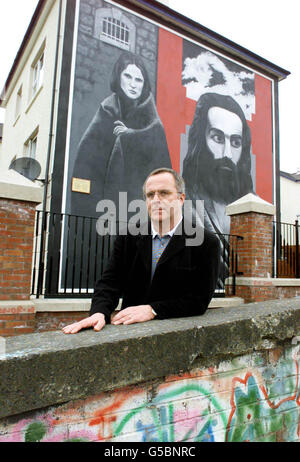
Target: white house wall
{"points": [[34, 112], [290, 200]]}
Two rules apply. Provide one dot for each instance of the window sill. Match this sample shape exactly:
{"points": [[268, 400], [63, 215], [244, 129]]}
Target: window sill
{"points": [[17, 118]]}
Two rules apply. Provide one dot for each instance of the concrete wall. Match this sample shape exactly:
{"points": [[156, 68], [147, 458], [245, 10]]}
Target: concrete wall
{"points": [[233, 375]]}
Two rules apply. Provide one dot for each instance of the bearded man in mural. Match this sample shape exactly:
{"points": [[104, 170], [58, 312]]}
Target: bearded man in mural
{"points": [[124, 141], [217, 167]]}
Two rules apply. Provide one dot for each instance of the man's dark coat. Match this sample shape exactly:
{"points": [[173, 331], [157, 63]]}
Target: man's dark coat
{"points": [[183, 283]]}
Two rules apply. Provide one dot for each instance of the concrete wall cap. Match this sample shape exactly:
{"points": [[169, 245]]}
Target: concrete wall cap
{"points": [[16, 186], [258, 281], [250, 203], [66, 305]]}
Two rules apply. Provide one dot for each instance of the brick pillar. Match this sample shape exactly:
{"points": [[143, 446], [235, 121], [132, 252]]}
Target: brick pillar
{"points": [[16, 245], [17, 217], [251, 218]]}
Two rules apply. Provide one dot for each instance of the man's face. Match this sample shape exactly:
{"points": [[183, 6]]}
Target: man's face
{"points": [[164, 203], [132, 81], [223, 134]]}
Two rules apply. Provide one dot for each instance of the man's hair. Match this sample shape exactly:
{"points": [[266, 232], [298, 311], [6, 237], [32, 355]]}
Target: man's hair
{"points": [[121, 64], [179, 181]]}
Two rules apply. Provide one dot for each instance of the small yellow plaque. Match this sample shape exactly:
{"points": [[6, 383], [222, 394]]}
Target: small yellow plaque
{"points": [[81, 185]]}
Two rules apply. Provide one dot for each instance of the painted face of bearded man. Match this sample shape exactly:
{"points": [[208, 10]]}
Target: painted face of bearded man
{"points": [[218, 162]]}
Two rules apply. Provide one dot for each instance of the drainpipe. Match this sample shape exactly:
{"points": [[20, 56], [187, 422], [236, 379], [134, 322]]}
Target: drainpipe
{"points": [[44, 221]]}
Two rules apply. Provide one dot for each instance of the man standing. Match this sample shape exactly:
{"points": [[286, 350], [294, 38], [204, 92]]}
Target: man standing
{"points": [[156, 273]]}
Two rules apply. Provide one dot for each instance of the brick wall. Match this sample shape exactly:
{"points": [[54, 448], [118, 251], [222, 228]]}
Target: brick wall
{"points": [[49, 321], [16, 245], [24, 319], [17, 320], [265, 291]]}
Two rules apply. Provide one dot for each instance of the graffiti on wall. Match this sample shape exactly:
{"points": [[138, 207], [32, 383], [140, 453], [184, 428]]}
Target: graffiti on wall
{"points": [[244, 400]]}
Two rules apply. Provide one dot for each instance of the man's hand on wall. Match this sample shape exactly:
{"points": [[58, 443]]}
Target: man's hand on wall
{"points": [[133, 314], [97, 321]]}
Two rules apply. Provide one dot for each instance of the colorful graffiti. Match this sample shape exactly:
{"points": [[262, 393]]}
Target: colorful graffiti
{"points": [[248, 399]]}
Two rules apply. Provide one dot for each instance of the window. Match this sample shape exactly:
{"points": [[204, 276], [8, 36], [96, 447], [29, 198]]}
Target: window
{"points": [[31, 145], [18, 103], [37, 74], [113, 26]]}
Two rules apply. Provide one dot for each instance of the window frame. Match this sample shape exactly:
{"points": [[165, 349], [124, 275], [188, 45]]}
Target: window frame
{"points": [[37, 73], [31, 142], [30, 152]]}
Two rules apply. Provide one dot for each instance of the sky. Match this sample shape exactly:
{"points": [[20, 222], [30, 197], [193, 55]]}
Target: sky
{"points": [[269, 28]]}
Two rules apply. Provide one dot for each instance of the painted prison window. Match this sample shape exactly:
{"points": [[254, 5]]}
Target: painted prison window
{"points": [[115, 30], [113, 27]]}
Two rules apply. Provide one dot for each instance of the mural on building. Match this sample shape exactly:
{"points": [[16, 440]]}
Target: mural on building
{"points": [[246, 399], [145, 97]]}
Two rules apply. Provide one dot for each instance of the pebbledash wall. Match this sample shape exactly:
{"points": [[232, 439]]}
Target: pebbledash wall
{"points": [[231, 375]]}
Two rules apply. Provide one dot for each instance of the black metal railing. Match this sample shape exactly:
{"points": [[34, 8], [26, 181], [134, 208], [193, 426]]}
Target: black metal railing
{"points": [[286, 238], [70, 255]]}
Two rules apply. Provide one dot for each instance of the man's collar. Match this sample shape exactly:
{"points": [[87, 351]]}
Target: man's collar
{"points": [[169, 233]]}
